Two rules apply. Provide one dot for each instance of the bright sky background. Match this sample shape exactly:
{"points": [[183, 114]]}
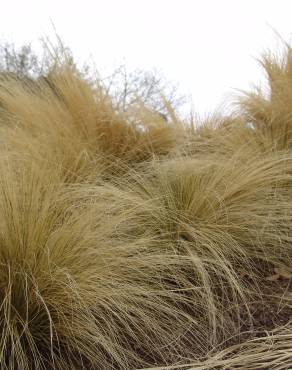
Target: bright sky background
{"points": [[208, 46]]}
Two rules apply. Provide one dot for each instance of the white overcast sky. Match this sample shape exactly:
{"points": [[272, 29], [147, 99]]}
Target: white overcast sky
{"points": [[208, 46]]}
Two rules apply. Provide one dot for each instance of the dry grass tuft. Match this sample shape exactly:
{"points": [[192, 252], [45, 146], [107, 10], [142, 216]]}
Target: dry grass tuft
{"points": [[130, 241]]}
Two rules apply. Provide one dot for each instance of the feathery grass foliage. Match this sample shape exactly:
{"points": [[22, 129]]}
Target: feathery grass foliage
{"points": [[129, 241]]}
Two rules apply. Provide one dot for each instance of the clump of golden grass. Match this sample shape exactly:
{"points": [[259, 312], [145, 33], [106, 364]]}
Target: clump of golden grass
{"points": [[130, 242]]}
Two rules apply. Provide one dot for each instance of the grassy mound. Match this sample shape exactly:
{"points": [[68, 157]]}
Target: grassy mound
{"points": [[132, 240]]}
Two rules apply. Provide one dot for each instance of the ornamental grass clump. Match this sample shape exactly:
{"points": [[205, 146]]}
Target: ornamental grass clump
{"points": [[132, 239]]}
